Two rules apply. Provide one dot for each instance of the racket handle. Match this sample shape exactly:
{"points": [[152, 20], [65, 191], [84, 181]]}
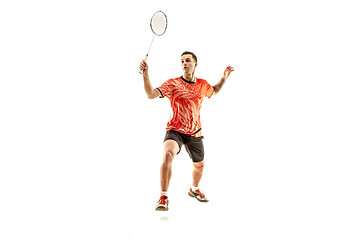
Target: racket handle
{"points": [[145, 59]]}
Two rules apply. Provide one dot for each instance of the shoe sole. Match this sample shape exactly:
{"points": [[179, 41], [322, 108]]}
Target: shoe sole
{"points": [[193, 196], [162, 209]]}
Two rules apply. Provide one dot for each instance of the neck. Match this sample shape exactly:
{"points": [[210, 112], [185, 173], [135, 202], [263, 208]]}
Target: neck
{"points": [[189, 77]]}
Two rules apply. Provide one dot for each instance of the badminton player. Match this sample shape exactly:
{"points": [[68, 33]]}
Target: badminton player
{"points": [[186, 94]]}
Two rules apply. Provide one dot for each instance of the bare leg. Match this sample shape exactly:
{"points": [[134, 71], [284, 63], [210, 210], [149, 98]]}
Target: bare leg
{"points": [[171, 148], [197, 172]]}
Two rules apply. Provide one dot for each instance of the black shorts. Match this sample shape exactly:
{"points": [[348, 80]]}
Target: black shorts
{"points": [[193, 145]]}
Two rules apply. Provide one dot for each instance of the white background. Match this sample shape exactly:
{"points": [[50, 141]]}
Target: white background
{"points": [[81, 145]]}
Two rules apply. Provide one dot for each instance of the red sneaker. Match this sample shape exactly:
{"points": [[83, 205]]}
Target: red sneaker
{"points": [[163, 204], [198, 195]]}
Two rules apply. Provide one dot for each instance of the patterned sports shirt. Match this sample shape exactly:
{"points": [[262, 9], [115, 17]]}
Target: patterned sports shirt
{"points": [[185, 98]]}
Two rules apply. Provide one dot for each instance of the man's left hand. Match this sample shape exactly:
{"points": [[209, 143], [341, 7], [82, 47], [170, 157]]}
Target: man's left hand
{"points": [[228, 70]]}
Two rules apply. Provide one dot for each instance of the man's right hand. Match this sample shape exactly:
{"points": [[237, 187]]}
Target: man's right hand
{"points": [[144, 67]]}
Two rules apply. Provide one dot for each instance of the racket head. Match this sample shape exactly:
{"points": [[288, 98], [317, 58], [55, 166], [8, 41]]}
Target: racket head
{"points": [[158, 23]]}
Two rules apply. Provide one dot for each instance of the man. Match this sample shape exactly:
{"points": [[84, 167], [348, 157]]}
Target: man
{"points": [[186, 94]]}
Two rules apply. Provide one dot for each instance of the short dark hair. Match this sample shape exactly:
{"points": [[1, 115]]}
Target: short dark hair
{"points": [[191, 53]]}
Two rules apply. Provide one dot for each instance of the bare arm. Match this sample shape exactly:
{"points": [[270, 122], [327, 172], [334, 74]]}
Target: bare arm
{"points": [[150, 91], [220, 84]]}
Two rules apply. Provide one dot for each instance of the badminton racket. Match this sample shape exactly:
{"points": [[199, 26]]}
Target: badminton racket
{"points": [[158, 25]]}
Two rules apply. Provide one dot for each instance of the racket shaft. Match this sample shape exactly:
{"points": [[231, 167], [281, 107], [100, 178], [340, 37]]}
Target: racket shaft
{"points": [[148, 51]]}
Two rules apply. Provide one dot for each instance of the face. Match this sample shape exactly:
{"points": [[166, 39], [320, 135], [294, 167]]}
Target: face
{"points": [[188, 64]]}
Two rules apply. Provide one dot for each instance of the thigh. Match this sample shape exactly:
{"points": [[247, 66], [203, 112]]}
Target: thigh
{"points": [[195, 149], [173, 141], [171, 146]]}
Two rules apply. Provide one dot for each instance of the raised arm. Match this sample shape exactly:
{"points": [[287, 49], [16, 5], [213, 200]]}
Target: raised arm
{"points": [[220, 84], [150, 91]]}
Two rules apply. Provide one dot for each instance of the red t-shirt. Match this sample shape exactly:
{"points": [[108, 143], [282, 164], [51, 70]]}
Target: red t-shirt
{"points": [[185, 98]]}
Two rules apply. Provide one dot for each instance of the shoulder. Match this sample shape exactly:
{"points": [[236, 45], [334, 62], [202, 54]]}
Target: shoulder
{"points": [[171, 81], [201, 81]]}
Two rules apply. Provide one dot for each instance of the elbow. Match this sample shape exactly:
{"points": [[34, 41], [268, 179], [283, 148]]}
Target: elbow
{"points": [[150, 96], [153, 94]]}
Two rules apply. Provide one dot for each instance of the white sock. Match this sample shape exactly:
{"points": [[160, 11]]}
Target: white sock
{"points": [[194, 188], [163, 193]]}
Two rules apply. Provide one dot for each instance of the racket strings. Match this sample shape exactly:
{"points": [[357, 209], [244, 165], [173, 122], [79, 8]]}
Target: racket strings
{"points": [[158, 23]]}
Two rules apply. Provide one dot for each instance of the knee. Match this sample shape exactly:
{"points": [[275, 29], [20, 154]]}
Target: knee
{"points": [[168, 157], [199, 165]]}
